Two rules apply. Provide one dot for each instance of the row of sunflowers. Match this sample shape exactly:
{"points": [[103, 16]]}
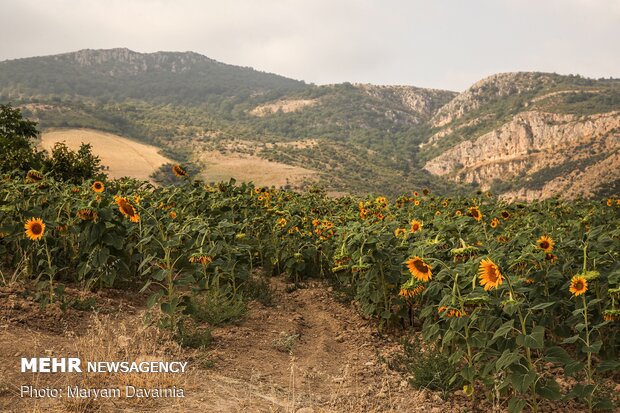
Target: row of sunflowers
{"points": [[507, 290]]}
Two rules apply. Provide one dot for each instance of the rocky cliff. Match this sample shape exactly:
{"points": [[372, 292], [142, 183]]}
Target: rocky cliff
{"points": [[549, 153]]}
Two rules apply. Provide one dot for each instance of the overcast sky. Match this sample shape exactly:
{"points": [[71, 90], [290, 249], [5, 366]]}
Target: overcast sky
{"points": [[446, 44]]}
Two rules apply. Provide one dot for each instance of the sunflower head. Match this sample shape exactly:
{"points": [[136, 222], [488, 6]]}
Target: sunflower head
{"points": [[494, 223], [545, 243], [98, 186], [458, 213], [179, 171], [127, 209], [35, 228], [578, 285], [475, 213], [419, 269], [400, 232], [505, 214], [34, 176], [87, 214], [416, 226], [489, 274]]}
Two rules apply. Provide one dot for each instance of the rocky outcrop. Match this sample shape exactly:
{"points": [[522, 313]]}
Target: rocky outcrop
{"points": [[533, 142], [488, 89], [424, 102]]}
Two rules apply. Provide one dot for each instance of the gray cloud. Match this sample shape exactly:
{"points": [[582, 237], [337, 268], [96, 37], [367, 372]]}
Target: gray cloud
{"points": [[444, 43]]}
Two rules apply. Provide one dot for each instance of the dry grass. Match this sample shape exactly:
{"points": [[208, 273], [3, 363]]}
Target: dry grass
{"points": [[124, 156], [245, 168]]}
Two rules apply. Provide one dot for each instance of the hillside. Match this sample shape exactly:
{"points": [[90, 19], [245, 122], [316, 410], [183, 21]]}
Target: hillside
{"points": [[366, 138], [530, 136]]}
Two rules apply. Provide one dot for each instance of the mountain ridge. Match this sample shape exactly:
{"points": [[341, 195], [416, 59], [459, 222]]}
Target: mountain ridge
{"points": [[370, 138]]}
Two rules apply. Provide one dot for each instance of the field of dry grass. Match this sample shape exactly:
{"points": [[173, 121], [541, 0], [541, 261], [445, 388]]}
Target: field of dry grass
{"points": [[124, 156], [244, 168]]}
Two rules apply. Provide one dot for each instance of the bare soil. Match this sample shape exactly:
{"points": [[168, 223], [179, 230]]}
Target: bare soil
{"points": [[306, 353]]}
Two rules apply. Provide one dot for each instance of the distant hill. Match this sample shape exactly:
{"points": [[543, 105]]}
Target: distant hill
{"points": [[527, 135]]}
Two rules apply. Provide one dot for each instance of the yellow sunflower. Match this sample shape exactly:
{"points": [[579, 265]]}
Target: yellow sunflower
{"points": [[416, 202], [179, 171], [127, 209], [419, 269], [578, 286], [98, 186], [494, 223], [34, 176], [475, 213], [489, 274], [87, 214], [458, 213], [172, 214], [610, 202], [35, 228], [546, 243], [400, 232], [505, 214], [416, 225]]}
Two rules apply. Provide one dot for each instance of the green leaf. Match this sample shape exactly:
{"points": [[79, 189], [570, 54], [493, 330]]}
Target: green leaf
{"points": [[152, 300], [570, 340], [607, 365], [506, 359], [515, 405], [542, 306], [503, 329], [594, 348], [573, 367], [557, 354], [549, 389], [536, 339], [522, 381]]}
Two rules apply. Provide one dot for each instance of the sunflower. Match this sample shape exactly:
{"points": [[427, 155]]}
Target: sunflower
{"points": [[416, 202], [380, 216], [35, 228], [419, 269], [546, 243], [172, 214], [34, 176], [416, 225], [458, 213], [437, 213], [127, 209], [200, 259], [416, 194], [444, 204], [412, 292], [87, 214], [179, 171], [400, 232], [450, 312], [426, 191], [475, 213], [611, 315], [98, 186], [494, 223], [489, 274], [610, 202], [505, 214], [578, 286], [551, 257], [282, 222]]}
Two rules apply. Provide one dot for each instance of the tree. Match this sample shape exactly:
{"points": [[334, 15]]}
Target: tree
{"points": [[16, 135]]}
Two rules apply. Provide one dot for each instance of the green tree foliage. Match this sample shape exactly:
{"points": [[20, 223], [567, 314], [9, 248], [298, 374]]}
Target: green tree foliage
{"points": [[16, 135], [18, 152], [75, 166]]}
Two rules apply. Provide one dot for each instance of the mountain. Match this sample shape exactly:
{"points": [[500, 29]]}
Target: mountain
{"points": [[525, 135], [530, 136]]}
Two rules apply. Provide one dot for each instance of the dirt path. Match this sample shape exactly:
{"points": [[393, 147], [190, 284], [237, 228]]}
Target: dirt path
{"points": [[306, 353]]}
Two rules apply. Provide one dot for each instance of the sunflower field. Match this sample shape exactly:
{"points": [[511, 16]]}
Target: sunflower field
{"points": [[512, 293]]}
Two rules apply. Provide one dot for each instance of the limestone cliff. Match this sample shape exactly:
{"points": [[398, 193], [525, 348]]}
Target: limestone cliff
{"points": [[549, 153]]}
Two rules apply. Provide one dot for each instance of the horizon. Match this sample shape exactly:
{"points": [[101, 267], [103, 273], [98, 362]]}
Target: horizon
{"points": [[305, 80], [442, 45]]}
